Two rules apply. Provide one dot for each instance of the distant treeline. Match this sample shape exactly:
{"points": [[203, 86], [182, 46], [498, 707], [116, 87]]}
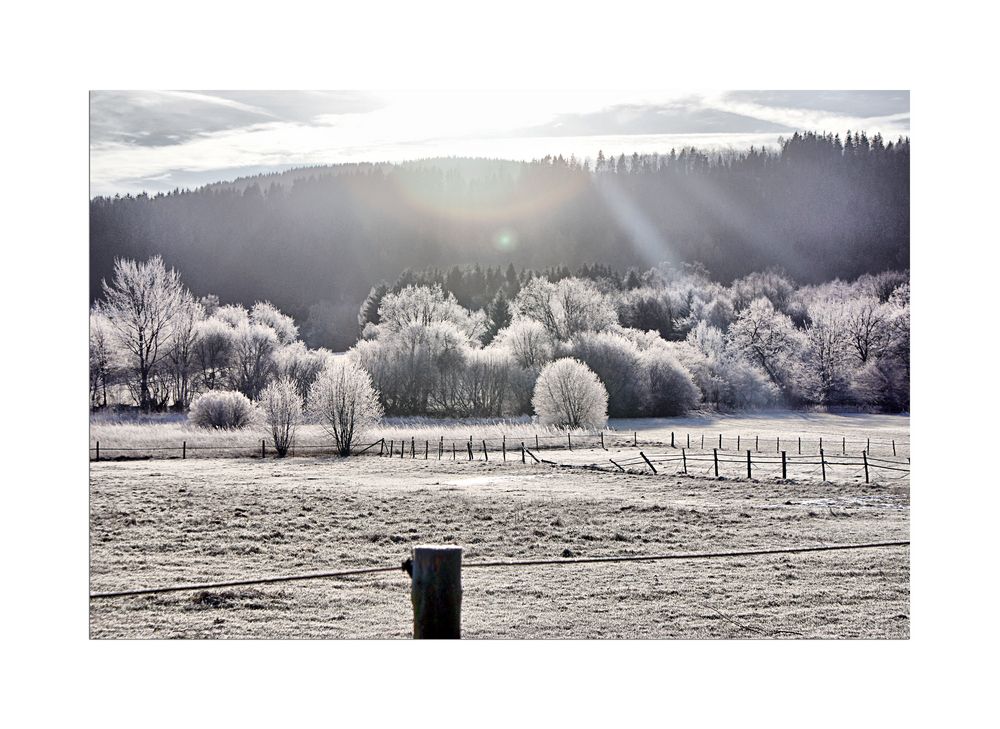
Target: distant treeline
{"points": [[820, 207]]}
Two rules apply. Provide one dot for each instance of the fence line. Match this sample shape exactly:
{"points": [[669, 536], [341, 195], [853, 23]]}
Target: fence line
{"points": [[479, 565]]}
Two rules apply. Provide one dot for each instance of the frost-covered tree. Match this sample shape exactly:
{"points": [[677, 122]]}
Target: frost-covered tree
{"points": [[825, 357], [233, 314], [281, 406], [565, 308], [266, 313], [768, 339], [301, 365], [672, 390], [425, 305], [252, 364], [105, 358], [485, 381], [344, 401], [528, 341], [771, 285], [140, 303], [569, 394], [724, 377], [215, 343], [617, 362], [182, 356]]}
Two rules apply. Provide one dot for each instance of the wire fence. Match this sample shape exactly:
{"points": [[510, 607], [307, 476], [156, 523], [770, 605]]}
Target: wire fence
{"points": [[876, 449], [405, 567]]}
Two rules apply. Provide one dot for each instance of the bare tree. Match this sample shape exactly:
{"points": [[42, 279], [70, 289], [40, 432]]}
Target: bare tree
{"points": [[140, 303], [253, 364], [282, 409], [105, 358], [182, 352], [345, 403]]}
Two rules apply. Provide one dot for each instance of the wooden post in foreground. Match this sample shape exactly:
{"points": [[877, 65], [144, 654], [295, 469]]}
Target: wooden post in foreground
{"points": [[261, 447], [864, 454], [893, 446], [436, 592], [715, 457], [522, 451], [648, 463], [98, 456], [469, 444], [684, 458], [822, 463], [503, 446], [184, 450], [749, 473], [671, 439], [486, 454], [784, 470]]}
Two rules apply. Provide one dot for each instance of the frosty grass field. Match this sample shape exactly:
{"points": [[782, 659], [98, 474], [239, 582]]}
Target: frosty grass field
{"points": [[165, 521]]}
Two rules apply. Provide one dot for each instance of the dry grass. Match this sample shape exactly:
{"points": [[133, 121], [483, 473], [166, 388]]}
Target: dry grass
{"points": [[161, 523]]}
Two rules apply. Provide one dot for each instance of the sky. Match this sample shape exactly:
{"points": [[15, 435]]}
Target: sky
{"points": [[157, 141]]}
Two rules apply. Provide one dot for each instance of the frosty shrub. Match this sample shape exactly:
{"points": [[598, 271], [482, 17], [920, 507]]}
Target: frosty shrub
{"points": [[252, 363], [672, 391], [569, 394], [224, 410], [213, 351], [528, 341], [565, 308], [282, 407], [345, 403], [616, 362]]}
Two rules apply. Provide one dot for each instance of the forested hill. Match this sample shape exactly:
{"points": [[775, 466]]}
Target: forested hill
{"points": [[820, 207]]}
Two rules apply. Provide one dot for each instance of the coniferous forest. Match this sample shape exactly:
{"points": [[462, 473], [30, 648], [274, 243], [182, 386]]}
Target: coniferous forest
{"points": [[315, 241]]}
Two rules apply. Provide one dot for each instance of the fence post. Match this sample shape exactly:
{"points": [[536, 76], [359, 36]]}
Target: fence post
{"points": [[616, 465], [684, 458], [749, 473], [822, 463], [777, 444], [436, 592], [392, 447], [381, 447], [893, 446], [703, 440], [784, 471], [261, 447], [864, 454], [689, 440], [720, 441], [569, 441], [868, 443], [635, 437], [821, 444], [800, 445], [715, 457], [536, 441], [522, 451], [756, 443], [602, 441], [184, 450], [413, 447], [651, 466], [98, 456], [737, 442], [843, 447], [469, 444], [671, 439], [453, 450], [503, 446], [427, 447], [402, 449], [486, 453]]}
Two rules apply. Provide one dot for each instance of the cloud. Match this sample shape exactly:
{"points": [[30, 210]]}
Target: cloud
{"points": [[165, 118], [687, 116]]}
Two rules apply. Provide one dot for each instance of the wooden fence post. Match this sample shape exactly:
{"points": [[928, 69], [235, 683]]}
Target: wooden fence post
{"points": [[436, 592], [893, 446], [749, 472], [821, 444], [413, 447], [453, 450], [715, 457], [427, 446], [864, 454], [868, 443], [98, 456], [503, 446], [402, 449], [635, 438], [737, 442], [671, 439], [689, 440], [261, 447], [703, 440], [843, 447], [684, 459], [486, 453], [184, 450], [381, 447], [651, 466], [602, 441], [522, 451], [569, 441], [392, 447], [777, 444], [822, 463], [756, 443], [720, 441], [784, 471], [536, 441], [800, 445], [469, 444], [616, 465]]}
